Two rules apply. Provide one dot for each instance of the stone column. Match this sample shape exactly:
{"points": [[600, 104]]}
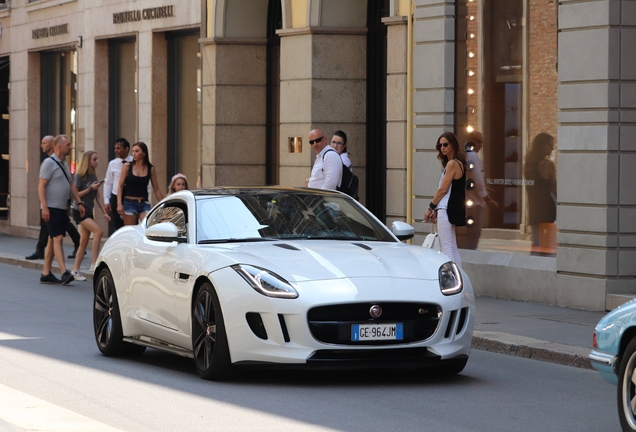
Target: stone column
{"points": [[397, 88], [322, 85], [597, 152], [24, 140], [433, 99], [234, 111]]}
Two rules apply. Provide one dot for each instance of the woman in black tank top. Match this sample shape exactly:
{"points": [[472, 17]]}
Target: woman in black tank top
{"points": [[132, 196], [448, 207]]}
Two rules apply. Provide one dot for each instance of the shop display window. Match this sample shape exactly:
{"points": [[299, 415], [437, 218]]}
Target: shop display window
{"points": [[506, 88]]}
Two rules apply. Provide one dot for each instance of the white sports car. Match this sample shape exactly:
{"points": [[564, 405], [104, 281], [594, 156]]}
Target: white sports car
{"points": [[272, 276]]}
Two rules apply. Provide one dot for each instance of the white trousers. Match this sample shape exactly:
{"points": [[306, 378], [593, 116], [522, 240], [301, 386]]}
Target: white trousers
{"points": [[447, 238]]}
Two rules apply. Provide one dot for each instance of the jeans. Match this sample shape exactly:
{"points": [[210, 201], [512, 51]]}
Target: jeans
{"points": [[447, 238]]}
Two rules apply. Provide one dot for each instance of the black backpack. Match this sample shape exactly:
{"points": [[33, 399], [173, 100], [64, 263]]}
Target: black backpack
{"points": [[349, 181]]}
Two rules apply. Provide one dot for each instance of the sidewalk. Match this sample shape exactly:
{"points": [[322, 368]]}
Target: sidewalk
{"points": [[540, 332]]}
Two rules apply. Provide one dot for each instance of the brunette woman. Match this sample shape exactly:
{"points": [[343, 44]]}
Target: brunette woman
{"points": [[448, 206], [87, 187], [132, 196], [339, 143], [542, 192]]}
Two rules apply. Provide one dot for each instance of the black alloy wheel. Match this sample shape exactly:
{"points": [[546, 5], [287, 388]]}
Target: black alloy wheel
{"points": [[626, 389], [107, 321], [209, 341]]}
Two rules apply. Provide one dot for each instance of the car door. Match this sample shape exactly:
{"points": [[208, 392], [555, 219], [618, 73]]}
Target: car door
{"points": [[158, 272]]}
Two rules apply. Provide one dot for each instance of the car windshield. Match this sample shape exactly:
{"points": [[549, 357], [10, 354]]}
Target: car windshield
{"points": [[267, 215]]}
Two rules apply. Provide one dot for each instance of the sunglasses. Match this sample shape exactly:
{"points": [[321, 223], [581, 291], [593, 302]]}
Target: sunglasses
{"points": [[317, 140], [443, 145]]}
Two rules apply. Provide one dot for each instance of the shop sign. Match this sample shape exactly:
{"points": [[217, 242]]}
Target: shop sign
{"points": [[144, 14], [45, 32]]}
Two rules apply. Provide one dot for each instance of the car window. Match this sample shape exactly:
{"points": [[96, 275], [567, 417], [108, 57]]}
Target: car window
{"points": [[286, 215], [169, 213]]}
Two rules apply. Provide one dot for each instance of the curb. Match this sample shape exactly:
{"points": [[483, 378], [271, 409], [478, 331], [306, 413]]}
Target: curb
{"points": [[535, 349], [36, 265]]}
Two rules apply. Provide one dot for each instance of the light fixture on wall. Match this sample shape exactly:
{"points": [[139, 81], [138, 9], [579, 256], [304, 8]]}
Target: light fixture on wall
{"points": [[470, 91], [470, 72], [471, 54], [295, 144], [469, 128]]}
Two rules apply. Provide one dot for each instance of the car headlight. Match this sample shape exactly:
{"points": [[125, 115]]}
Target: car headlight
{"points": [[450, 279], [265, 282]]}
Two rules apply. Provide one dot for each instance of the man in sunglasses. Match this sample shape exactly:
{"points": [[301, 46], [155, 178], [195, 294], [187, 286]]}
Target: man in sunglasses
{"points": [[327, 170]]}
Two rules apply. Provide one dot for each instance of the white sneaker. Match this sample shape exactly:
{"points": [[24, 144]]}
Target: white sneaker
{"points": [[78, 276], [92, 269]]}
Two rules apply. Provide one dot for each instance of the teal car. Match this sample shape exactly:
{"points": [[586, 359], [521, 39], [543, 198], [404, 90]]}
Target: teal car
{"points": [[614, 356]]}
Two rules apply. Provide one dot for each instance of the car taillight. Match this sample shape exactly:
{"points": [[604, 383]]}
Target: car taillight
{"points": [[594, 343]]}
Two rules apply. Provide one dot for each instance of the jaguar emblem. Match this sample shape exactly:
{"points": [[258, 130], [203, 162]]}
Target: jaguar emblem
{"points": [[375, 311]]}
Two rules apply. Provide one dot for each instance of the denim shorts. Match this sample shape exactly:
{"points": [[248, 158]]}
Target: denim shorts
{"points": [[135, 207]]}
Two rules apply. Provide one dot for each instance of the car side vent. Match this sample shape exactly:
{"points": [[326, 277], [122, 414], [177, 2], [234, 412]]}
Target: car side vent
{"points": [[451, 322], [283, 327], [255, 322], [363, 246], [286, 246], [462, 320]]}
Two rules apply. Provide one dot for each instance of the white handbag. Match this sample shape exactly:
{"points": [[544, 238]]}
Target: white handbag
{"points": [[432, 240]]}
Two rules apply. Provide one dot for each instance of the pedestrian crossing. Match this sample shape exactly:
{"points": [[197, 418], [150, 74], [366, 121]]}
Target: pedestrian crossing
{"points": [[22, 412]]}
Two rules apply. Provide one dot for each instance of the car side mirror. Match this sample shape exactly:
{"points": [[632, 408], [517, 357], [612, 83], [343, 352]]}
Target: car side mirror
{"points": [[165, 232], [402, 230]]}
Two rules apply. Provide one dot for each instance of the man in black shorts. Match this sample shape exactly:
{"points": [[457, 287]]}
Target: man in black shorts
{"points": [[54, 189], [43, 239]]}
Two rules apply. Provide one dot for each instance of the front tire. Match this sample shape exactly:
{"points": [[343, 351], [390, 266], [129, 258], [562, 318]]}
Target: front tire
{"points": [[107, 320], [209, 341], [626, 390]]}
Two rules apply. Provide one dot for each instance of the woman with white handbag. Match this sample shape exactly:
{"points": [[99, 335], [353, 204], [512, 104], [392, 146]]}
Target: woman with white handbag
{"points": [[448, 207]]}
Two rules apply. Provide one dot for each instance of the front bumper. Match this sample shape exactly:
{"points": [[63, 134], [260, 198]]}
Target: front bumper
{"points": [[289, 339], [606, 364]]}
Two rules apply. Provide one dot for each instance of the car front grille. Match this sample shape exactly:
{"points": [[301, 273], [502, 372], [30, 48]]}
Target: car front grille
{"points": [[332, 324]]}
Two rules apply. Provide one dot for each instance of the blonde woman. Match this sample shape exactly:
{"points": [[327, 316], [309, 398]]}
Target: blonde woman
{"points": [[86, 185]]}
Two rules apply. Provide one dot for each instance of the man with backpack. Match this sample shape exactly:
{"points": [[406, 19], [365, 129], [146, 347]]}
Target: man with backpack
{"points": [[327, 170]]}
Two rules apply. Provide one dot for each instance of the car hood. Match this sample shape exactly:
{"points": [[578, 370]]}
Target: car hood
{"points": [[333, 259]]}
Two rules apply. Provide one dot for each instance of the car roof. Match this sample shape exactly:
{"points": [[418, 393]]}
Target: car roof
{"points": [[252, 190]]}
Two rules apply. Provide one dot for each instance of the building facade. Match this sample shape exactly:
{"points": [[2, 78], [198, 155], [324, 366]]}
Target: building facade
{"points": [[226, 91]]}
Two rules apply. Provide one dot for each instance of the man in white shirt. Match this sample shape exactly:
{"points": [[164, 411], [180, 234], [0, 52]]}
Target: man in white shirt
{"points": [[122, 147], [327, 170]]}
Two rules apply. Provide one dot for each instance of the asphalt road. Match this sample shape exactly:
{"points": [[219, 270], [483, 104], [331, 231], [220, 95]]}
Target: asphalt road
{"points": [[48, 354]]}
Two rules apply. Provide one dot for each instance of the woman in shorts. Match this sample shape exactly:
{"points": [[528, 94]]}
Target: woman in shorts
{"points": [[86, 184], [132, 196]]}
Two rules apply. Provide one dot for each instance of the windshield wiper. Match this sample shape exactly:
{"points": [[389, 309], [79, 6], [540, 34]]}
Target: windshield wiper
{"points": [[236, 240]]}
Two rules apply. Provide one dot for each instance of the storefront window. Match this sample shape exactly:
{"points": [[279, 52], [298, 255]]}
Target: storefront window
{"points": [[58, 97], [122, 91], [184, 106], [506, 89]]}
